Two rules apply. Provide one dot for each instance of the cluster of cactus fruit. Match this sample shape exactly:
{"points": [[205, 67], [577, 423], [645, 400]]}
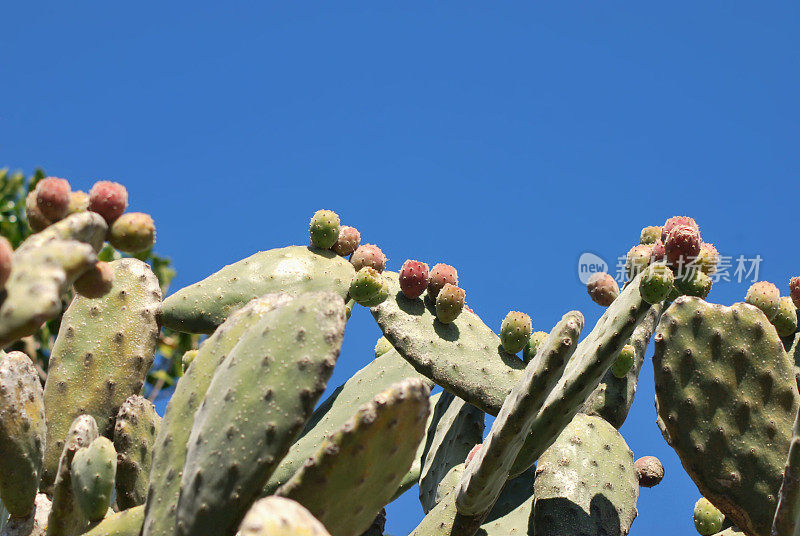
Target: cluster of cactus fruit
{"points": [[245, 445]]}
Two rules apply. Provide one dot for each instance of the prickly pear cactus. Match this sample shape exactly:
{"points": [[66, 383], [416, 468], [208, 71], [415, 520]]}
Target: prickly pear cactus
{"points": [[134, 434], [124, 523], [278, 516], [93, 470]]}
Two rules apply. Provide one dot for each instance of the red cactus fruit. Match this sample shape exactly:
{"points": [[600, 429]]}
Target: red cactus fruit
{"points": [[109, 199], [441, 274], [413, 278], [52, 198]]}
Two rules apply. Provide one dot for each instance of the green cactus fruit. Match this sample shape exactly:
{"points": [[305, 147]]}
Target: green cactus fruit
{"points": [[78, 202], [469, 360], [293, 349], [109, 199], [413, 279], [201, 307], [36, 220], [66, 517], [449, 303], [187, 359], [650, 235], [682, 246], [324, 229], [624, 361], [515, 331], [382, 346], [93, 470], [133, 232], [456, 429], [637, 259], [348, 241], [708, 258], [374, 378], [378, 298], [785, 321], [368, 255], [169, 451], [787, 513], [278, 516], [602, 288], [694, 283], [22, 433], [726, 396], [357, 469], [134, 434], [536, 340], [6, 258], [677, 221], [52, 197], [794, 290], [124, 523], [765, 296], [707, 519], [96, 281], [366, 285], [440, 275], [656, 283], [487, 472], [649, 471], [587, 477]]}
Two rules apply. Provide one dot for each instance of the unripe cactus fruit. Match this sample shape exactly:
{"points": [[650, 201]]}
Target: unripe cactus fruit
{"points": [[624, 361], [109, 199], [656, 283], [441, 274], [368, 255], [765, 296], [93, 471], [366, 285], [324, 229], [708, 258], [382, 346], [36, 219], [413, 279], [78, 202], [707, 519], [794, 290], [449, 303], [133, 232], [682, 245], [694, 283], [187, 358], [537, 338], [602, 288], [677, 221], [785, 321], [515, 331], [52, 198], [6, 257], [649, 471], [379, 298], [638, 259], [348, 241], [650, 235], [96, 281]]}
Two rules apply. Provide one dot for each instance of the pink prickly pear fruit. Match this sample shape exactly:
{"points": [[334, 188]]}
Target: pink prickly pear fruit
{"points": [[658, 254], [449, 303], [6, 258], [368, 255], [765, 296], [794, 290], [348, 241], [441, 274], [682, 246], [52, 197], [133, 232], [677, 221], [602, 288], [109, 199], [649, 471], [96, 281], [413, 278], [36, 220]]}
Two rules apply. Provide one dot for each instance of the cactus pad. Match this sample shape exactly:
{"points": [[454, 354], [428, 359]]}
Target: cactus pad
{"points": [[125, 523], [93, 471], [134, 434]]}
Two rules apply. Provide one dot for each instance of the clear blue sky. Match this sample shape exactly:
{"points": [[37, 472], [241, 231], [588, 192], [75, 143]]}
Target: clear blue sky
{"points": [[503, 138]]}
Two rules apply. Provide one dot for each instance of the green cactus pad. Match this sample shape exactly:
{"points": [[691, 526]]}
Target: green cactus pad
{"points": [[413, 474], [726, 394], [358, 468], [125, 523], [278, 516], [591, 360], [487, 472], [613, 398], [66, 518], [262, 394], [87, 227], [444, 520], [511, 514], [585, 482], [169, 452], [377, 376], [22, 433], [134, 434], [93, 471], [456, 428], [787, 513], [464, 357], [201, 307], [105, 347]]}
